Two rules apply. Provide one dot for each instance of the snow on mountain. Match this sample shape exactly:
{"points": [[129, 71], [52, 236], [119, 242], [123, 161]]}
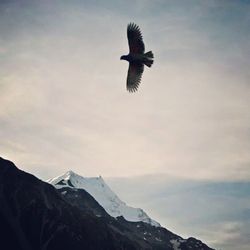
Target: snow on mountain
{"points": [[97, 187]]}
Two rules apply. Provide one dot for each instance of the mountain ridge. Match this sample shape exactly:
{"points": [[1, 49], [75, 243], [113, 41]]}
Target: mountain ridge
{"points": [[36, 216], [102, 193]]}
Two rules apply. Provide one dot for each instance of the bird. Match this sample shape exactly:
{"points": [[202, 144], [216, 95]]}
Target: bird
{"points": [[136, 57]]}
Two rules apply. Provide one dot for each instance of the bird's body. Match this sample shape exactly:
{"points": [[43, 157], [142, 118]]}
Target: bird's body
{"points": [[136, 57]]}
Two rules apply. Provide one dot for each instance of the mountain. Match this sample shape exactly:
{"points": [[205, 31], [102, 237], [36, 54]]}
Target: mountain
{"points": [[103, 195], [36, 216]]}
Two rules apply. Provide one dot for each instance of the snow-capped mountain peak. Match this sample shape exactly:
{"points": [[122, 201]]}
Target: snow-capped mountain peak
{"points": [[102, 193]]}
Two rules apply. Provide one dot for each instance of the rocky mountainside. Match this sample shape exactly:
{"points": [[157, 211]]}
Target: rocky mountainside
{"points": [[36, 216]]}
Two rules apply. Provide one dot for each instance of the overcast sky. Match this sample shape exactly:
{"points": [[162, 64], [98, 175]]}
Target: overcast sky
{"points": [[217, 213], [64, 102], [63, 98]]}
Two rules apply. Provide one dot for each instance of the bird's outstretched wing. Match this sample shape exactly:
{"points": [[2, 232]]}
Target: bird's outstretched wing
{"points": [[135, 42], [135, 71]]}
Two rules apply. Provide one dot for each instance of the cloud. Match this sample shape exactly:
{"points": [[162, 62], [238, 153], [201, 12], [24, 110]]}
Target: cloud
{"points": [[64, 101], [229, 235]]}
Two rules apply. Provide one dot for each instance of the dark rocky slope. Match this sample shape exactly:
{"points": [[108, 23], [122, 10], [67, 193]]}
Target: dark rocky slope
{"points": [[34, 215]]}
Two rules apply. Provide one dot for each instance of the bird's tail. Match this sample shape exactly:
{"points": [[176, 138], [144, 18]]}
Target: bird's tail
{"points": [[149, 54], [149, 58]]}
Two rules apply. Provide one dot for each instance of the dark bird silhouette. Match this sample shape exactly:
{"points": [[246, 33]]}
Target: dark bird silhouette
{"points": [[136, 57]]}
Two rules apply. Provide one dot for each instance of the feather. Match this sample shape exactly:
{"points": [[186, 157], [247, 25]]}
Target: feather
{"points": [[135, 39], [135, 71]]}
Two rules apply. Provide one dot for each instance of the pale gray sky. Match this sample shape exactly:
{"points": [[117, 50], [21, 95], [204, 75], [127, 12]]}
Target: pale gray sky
{"points": [[64, 104], [217, 213]]}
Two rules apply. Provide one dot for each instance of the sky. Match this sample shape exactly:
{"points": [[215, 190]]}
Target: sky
{"points": [[64, 103], [218, 213]]}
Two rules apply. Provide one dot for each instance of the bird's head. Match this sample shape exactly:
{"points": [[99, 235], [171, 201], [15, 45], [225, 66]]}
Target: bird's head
{"points": [[123, 58]]}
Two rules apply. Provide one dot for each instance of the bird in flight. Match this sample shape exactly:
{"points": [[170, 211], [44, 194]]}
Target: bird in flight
{"points": [[136, 57]]}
